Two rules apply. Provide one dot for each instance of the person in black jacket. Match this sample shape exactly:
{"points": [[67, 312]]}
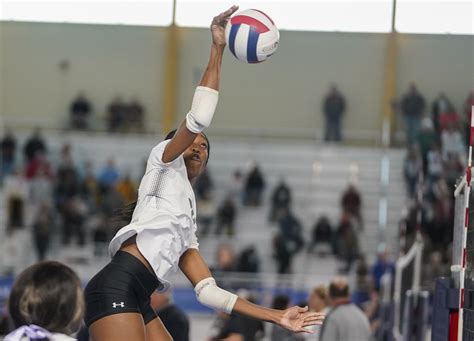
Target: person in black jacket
{"points": [[334, 106], [80, 111], [7, 154], [412, 107], [34, 145], [254, 187], [281, 199]]}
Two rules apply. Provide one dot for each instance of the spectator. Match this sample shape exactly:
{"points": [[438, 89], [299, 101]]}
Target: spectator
{"points": [[452, 142], [111, 201], [281, 199], [203, 186], [226, 262], [254, 186], [74, 213], [282, 253], [135, 116], [434, 269], [248, 260], [225, 217], [412, 167], [318, 299], [278, 333], [441, 106], [318, 302], [38, 165], [34, 145], [127, 189], [80, 110], [453, 169], [7, 155], [41, 188], [236, 327], [109, 176], [467, 106], [46, 302], [344, 321], [291, 227], [101, 235], [174, 319], [16, 193], [363, 285], [347, 242], [412, 107], [434, 163], [235, 186], [288, 241], [42, 227], [89, 187], [449, 118], [322, 233], [334, 107], [382, 265], [206, 207], [223, 329], [442, 207], [351, 202], [206, 212], [67, 177], [116, 112], [426, 138], [68, 200]]}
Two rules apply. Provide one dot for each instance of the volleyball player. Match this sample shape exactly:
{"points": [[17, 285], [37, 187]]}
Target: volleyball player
{"points": [[161, 235], [46, 303]]}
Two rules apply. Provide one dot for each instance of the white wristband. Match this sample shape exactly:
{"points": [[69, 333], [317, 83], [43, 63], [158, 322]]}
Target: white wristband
{"points": [[202, 109]]}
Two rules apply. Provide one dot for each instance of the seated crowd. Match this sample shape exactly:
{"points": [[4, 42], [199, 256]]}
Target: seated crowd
{"points": [[435, 162], [46, 303], [120, 116], [41, 196]]}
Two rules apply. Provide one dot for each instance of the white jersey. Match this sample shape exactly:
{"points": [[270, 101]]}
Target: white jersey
{"points": [[164, 219]]}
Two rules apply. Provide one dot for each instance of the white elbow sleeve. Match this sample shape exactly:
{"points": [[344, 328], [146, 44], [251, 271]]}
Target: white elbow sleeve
{"points": [[209, 294], [202, 110]]}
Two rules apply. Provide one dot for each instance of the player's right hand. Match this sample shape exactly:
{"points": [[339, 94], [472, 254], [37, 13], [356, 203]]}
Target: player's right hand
{"points": [[297, 319], [218, 26]]}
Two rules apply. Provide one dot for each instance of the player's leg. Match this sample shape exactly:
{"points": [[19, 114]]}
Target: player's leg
{"points": [[156, 331], [115, 300], [119, 327]]}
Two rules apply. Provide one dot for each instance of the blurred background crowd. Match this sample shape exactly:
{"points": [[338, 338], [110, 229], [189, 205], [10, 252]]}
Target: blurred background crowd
{"points": [[60, 200]]}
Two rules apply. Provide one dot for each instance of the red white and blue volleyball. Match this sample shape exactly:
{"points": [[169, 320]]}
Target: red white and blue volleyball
{"points": [[252, 36]]}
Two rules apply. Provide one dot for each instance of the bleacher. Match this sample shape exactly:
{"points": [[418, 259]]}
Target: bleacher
{"points": [[317, 173]]}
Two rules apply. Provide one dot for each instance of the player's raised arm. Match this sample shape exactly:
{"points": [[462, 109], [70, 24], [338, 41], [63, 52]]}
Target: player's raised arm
{"points": [[206, 94]]}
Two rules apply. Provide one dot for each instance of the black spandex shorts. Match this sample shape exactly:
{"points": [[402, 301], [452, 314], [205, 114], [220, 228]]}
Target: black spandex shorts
{"points": [[123, 286]]}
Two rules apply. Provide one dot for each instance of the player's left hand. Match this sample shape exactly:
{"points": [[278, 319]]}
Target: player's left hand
{"points": [[218, 26], [297, 318]]}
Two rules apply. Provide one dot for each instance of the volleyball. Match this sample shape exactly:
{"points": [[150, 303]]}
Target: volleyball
{"points": [[252, 36]]}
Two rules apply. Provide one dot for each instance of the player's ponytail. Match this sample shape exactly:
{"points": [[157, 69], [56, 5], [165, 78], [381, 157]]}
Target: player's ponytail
{"points": [[122, 216]]}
